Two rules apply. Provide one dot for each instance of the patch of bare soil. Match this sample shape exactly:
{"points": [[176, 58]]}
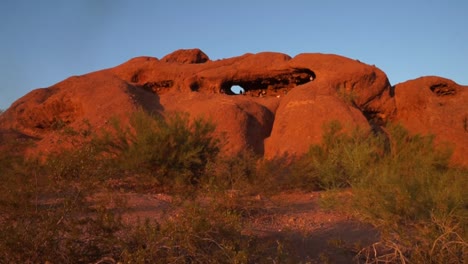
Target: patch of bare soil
{"points": [[309, 231], [317, 235]]}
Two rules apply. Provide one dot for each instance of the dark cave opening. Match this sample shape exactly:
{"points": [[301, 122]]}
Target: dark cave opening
{"points": [[442, 89]]}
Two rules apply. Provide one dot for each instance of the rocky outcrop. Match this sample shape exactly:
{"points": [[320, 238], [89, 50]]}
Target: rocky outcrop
{"points": [[437, 106], [186, 56], [346, 90], [241, 122], [283, 106], [299, 94], [75, 103]]}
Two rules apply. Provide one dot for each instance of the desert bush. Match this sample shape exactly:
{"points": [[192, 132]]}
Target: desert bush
{"points": [[413, 181], [340, 160], [199, 234], [417, 200], [232, 172], [275, 174], [401, 183], [195, 236], [44, 212], [174, 149], [248, 173]]}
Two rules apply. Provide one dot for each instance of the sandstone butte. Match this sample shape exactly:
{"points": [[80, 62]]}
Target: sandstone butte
{"points": [[286, 101]]}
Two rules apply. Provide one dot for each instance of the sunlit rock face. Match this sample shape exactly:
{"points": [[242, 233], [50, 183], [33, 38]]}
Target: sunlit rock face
{"points": [[437, 106], [283, 106]]}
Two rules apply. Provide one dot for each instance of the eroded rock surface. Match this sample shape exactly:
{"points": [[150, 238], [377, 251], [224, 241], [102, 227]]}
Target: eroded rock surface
{"points": [[186, 56], [346, 90], [437, 106], [282, 108]]}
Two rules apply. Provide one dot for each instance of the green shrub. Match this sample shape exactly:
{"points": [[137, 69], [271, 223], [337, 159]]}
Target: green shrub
{"points": [[174, 149], [402, 184], [232, 173], [412, 179], [340, 160], [249, 173], [417, 200]]}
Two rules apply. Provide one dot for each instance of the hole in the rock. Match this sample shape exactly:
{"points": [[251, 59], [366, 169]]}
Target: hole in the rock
{"points": [[159, 86], [237, 89], [194, 86], [443, 89], [273, 85]]}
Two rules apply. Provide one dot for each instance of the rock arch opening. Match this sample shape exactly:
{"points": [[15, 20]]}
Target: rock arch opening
{"points": [[237, 89], [275, 84]]}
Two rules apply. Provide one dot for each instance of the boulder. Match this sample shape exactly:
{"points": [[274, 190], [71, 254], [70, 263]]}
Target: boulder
{"points": [[186, 56], [76, 103], [344, 90], [364, 86], [301, 117], [437, 106], [241, 122]]}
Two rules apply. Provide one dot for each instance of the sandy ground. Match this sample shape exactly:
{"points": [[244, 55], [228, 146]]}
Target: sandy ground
{"points": [[315, 234]]}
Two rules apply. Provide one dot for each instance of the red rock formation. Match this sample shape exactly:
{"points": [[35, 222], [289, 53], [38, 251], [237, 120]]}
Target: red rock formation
{"points": [[75, 102], [285, 105], [186, 56], [437, 106], [241, 121], [345, 90]]}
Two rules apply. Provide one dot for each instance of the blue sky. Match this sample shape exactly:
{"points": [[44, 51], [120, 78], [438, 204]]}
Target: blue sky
{"points": [[44, 42]]}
